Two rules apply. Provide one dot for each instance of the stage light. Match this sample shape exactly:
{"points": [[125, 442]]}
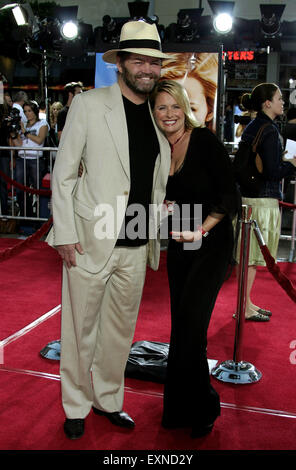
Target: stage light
{"points": [[270, 19], [18, 13], [223, 23], [138, 9], [69, 30], [23, 15], [222, 11], [19, 16], [110, 30], [187, 24]]}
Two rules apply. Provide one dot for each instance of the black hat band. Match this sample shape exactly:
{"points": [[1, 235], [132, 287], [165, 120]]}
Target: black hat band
{"points": [[140, 43]]}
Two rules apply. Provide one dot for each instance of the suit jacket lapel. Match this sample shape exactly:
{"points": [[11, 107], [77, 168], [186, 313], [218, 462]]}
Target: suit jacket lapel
{"points": [[116, 120], [115, 117]]}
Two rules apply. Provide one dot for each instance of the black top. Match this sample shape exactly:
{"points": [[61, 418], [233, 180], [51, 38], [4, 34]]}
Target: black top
{"points": [[143, 151], [290, 131], [271, 152], [205, 178], [61, 119]]}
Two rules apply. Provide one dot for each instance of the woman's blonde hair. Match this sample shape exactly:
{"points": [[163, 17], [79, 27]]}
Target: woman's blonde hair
{"points": [[179, 93], [59, 106]]}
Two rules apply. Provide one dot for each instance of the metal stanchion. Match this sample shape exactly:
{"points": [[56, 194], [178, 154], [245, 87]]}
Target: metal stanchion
{"points": [[291, 237], [238, 371], [292, 249]]}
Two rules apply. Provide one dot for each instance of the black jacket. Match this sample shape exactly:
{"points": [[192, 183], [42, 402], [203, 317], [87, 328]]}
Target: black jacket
{"points": [[271, 152]]}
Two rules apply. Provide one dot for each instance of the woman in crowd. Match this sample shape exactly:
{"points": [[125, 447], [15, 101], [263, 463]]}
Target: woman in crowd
{"points": [[53, 115], [198, 73], [200, 174], [30, 162], [265, 99]]}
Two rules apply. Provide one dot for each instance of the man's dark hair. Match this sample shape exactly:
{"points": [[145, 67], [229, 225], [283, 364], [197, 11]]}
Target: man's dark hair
{"points": [[70, 87]]}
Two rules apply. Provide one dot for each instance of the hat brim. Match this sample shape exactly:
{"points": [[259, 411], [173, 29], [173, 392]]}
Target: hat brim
{"points": [[110, 56]]}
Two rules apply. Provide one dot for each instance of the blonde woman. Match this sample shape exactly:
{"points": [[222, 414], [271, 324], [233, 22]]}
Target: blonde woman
{"points": [[53, 117], [200, 174]]}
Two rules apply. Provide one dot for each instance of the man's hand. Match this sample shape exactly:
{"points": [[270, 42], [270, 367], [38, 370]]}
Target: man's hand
{"points": [[67, 253]]}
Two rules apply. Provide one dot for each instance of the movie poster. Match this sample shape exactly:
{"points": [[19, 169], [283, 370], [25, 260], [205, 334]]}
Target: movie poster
{"points": [[196, 71]]}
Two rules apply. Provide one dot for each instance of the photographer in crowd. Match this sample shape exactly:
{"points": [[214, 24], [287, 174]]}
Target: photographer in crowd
{"points": [[30, 166]]}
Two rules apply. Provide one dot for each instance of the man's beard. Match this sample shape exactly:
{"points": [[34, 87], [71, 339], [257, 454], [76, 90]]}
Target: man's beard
{"points": [[133, 83]]}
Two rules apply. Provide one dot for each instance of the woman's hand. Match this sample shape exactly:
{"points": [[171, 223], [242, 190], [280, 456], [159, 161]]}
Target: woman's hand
{"points": [[187, 236], [291, 160]]}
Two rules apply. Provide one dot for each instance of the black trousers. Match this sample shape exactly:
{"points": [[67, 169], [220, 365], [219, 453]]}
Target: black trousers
{"points": [[30, 170], [195, 278]]}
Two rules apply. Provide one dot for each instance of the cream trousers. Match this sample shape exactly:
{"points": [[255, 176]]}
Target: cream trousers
{"points": [[99, 313]]}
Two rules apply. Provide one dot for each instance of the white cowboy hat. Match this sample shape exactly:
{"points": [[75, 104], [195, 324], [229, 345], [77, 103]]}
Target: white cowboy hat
{"points": [[137, 37]]}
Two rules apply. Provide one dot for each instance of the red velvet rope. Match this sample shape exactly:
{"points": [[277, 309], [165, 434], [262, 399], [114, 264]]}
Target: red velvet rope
{"points": [[9, 252], [45, 192], [41, 192], [281, 278], [287, 204]]}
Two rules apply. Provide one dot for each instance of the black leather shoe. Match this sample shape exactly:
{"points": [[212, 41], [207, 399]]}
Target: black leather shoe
{"points": [[74, 428], [119, 418]]}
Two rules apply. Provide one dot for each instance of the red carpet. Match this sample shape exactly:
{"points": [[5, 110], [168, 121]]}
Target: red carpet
{"points": [[260, 416]]}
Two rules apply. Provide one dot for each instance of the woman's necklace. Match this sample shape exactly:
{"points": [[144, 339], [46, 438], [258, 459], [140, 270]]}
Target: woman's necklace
{"points": [[178, 140]]}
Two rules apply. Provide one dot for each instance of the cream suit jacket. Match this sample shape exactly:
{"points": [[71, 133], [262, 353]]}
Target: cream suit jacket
{"points": [[96, 132]]}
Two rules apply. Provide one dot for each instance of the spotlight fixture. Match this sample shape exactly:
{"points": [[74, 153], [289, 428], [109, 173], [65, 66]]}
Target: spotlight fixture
{"points": [[222, 11], [187, 24], [67, 17], [18, 13], [69, 30], [223, 23], [23, 15], [270, 19], [138, 9], [111, 29], [19, 16]]}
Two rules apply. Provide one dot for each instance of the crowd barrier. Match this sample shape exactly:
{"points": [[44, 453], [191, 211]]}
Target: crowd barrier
{"points": [[41, 193], [237, 370], [290, 206]]}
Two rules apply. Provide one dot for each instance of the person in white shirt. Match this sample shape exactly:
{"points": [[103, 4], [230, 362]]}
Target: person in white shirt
{"points": [[20, 98], [29, 163]]}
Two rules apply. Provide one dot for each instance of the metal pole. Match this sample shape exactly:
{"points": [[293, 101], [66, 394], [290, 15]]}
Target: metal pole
{"points": [[242, 281], [292, 248], [45, 77], [221, 91], [238, 371]]}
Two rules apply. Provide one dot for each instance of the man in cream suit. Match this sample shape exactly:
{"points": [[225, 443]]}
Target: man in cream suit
{"points": [[126, 163]]}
